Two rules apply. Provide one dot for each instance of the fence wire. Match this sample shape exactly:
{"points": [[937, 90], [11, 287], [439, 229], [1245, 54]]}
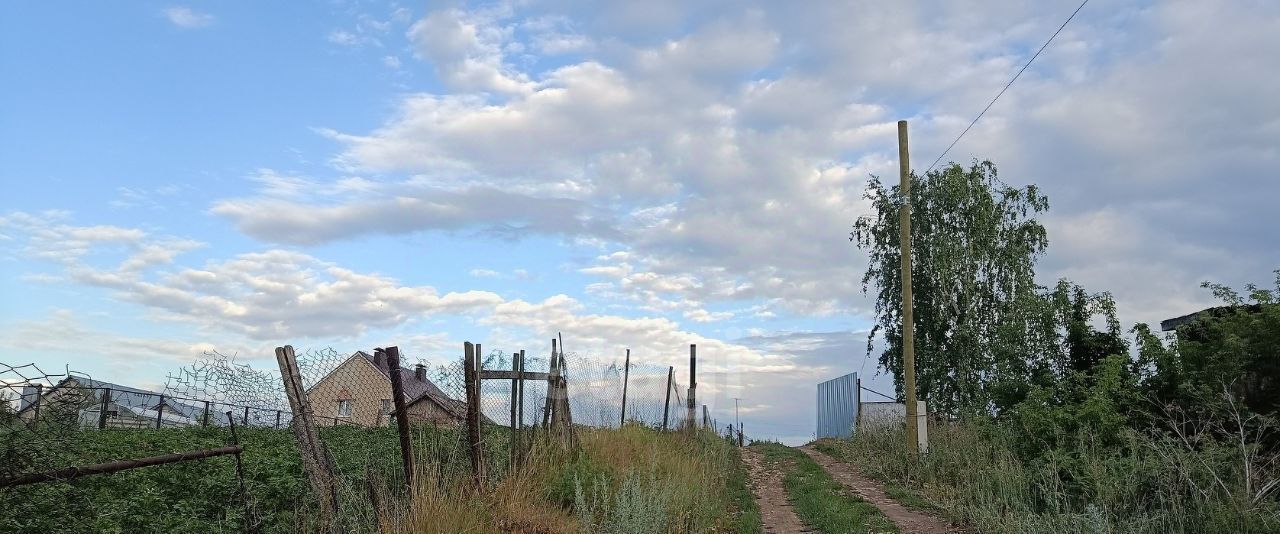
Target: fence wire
{"points": [[51, 421]]}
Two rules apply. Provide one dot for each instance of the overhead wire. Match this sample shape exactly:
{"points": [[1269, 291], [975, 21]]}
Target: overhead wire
{"points": [[1006, 86]]}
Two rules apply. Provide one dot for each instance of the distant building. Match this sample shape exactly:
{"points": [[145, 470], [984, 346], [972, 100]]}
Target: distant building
{"points": [[359, 392], [83, 400], [1184, 325]]}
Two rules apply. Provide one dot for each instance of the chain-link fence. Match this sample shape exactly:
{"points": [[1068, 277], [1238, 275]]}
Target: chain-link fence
{"points": [[54, 425]]}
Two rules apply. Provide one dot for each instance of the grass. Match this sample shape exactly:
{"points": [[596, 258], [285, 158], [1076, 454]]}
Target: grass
{"points": [[632, 480], [974, 474], [820, 501], [904, 495], [695, 482]]}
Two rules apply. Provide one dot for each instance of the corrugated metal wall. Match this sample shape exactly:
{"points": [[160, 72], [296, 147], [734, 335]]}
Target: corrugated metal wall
{"points": [[838, 400]]}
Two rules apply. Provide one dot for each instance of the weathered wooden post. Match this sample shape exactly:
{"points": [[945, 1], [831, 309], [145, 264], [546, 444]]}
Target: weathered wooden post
{"points": [[102, 414], [692, 401], [245, 421], [626, 375], [473, 409], [315, 461], [392, 356], [205, 421]]}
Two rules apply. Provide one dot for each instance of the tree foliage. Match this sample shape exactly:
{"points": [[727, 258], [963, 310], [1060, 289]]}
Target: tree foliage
{"points": [[975, 241], [985, 331]]}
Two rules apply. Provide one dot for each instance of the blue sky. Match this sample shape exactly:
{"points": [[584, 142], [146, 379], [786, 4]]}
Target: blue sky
{"points": [[232, 176]]}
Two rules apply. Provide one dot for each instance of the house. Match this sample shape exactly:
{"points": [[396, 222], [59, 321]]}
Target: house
{"points": [[358, 392], [82, 400]]}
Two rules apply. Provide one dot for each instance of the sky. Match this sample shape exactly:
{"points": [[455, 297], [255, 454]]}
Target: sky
{"points": [[177, 178]]}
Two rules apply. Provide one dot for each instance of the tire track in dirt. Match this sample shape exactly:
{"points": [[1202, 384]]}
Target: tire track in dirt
{"points": [[908, 521], [766, 484]]}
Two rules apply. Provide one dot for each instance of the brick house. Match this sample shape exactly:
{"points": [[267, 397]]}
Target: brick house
{"points": [[359, 392]]}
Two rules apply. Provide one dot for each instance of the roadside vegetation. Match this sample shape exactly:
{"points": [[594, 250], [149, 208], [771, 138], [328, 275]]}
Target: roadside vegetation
{"points": [[631, 480], [1048, 416], [819, 500]]}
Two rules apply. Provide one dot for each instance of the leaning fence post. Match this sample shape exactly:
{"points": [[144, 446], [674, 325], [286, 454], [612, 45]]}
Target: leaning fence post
{"points": [[626, 375], [402, 419], [106, 402], [666, 405], [314, 461], [159, 411], [244, 494]]}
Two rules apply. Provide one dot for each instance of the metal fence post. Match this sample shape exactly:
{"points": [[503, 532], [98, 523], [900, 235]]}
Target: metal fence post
{"points": [[626, 376], [160, 412], [278, 412], [102, 415], [245, 421]]}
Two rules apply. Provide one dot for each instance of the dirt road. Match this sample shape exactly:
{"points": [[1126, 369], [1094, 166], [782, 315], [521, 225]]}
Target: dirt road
{"points": [[766, 484], [908, 521]]}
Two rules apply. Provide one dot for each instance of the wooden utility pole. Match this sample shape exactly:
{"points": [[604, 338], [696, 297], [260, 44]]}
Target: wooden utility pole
{"points": [[908, 319], [626, 374]]}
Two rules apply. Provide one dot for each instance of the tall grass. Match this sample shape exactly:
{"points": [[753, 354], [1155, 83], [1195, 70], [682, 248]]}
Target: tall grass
{"points": [[629, 480], [1148, 483]]}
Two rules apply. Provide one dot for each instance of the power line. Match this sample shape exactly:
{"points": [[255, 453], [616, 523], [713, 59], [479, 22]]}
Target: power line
{"points": [[1006, 86]]}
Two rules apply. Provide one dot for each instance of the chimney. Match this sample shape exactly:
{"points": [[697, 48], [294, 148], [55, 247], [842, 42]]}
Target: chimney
{"points": [[420, 372], [379, 359]]}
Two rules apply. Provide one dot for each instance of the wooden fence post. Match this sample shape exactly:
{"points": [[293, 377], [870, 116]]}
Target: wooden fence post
{"points": [[693, 385], [553, 373], [626, 375], [666, 406], [315, 460], [392, 355], [473, 409]]}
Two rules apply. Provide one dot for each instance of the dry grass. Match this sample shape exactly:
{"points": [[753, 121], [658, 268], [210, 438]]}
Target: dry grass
{"points": [[624, 480]]}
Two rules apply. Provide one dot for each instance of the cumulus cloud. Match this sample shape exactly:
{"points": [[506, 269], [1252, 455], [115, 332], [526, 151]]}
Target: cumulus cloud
{"points": [[734, 152], [187, 18]]}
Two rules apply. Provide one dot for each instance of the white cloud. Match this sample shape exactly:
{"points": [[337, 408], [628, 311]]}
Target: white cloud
{"points": [[466, 50], [391, 62], [185, 17]]}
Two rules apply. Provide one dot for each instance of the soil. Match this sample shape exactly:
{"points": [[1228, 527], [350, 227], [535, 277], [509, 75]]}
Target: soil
{"points": [[766, 483], [908, 521]]}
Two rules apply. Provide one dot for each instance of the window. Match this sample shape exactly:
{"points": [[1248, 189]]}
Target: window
{"points": [[344, 408], [386, 406]]}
